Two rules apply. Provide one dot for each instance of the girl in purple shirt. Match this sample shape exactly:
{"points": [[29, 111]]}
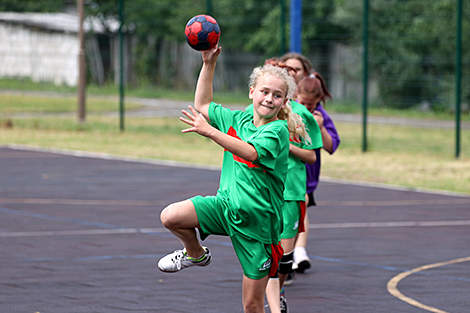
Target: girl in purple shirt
{"points": [[311, 91]]}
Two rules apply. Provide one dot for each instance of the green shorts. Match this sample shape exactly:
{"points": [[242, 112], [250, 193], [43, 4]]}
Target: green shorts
{"points": [[256, 258], [291, 213]]}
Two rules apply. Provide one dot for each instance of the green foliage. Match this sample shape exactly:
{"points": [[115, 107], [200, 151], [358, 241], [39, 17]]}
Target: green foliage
{"points": [[411, 44], [31, 5], [246, 25], [412, 48]]}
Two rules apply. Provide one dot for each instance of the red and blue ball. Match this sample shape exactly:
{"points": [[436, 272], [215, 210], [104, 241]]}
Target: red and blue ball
{"points": [[202, 32]]}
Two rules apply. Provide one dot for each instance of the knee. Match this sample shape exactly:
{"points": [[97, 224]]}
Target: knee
{"points": [[285, 265], [168, 217], [253, 304], [251, 307]]}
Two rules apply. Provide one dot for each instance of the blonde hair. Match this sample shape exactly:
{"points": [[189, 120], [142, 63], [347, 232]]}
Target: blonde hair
{"points": [[295, 124]]}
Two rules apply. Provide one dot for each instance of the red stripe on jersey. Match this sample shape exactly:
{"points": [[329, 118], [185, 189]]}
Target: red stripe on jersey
{"points": [[295, 139], [232, 132]]}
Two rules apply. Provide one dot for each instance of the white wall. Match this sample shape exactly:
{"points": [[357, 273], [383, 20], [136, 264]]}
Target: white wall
{"points": [[43, 56]]}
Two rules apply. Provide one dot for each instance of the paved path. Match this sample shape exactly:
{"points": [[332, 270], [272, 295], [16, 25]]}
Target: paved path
{"points": [[81, 233], [159, 107], [165, 107]]}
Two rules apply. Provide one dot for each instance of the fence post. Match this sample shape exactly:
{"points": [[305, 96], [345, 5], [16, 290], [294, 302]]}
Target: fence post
{"points": [[458, 77], [365, 74], [295, 26], [209, 7], [283, 27], [121, 65], [81, 66]]}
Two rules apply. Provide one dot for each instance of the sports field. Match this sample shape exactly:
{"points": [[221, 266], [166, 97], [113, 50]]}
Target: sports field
{"points": [[81, 233]]}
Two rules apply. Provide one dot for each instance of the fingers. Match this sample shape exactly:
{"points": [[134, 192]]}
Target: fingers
{"points": [[192, 121], [212, 54], [191, 115], [193, 110]]}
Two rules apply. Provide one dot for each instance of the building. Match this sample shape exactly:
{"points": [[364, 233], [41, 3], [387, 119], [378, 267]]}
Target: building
{"points": [[44, 47]]}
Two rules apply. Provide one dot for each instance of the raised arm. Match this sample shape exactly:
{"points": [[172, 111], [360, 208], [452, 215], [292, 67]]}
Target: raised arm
{"points": [[204, 88]]}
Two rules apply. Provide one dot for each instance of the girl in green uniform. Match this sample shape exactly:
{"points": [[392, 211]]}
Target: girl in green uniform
{"points": [[301, 151], [247, 206]]}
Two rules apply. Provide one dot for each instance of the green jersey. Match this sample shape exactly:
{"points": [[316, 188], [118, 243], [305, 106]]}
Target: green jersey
{"points": [[296, 181], [253, 189]]}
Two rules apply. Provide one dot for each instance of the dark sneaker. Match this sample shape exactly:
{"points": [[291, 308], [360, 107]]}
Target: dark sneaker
{"points": [[179, 260], [284, 308], [302, 266], [289, 279]]}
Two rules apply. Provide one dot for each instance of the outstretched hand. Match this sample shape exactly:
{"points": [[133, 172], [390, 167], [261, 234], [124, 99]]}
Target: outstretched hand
{"points": [[197, 122]]}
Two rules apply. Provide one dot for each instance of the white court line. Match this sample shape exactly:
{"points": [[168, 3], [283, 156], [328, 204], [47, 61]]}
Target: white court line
{"points": [[83, 202], [84, 232], [396, 202], [390, 224], [163, 230]]}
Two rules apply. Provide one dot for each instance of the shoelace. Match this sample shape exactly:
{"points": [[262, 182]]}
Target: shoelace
{"points": [[178, 257], [283, 306]]}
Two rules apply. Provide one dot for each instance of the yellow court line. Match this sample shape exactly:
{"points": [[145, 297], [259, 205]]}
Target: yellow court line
{"points": [[393, 290]]}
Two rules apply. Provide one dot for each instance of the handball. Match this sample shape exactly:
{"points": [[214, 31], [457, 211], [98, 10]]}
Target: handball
{"points": [[202, 32]]}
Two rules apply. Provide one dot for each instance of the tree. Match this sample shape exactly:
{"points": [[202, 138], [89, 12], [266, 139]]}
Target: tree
{"points": [[32, 5], [246, 25], [412, 48]]}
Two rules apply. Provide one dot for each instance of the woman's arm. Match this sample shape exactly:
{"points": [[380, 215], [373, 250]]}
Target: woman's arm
{"points": [[204, 88], [325, 135], [307, 156]]}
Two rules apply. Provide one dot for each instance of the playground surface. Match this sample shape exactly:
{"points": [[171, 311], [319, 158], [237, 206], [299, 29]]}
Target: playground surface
{"points": [[81, 233]]}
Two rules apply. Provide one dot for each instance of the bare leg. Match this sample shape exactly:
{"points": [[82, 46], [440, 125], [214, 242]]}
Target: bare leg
{"points": [[253, 294], [181, 219], [272, 295], [303, 237]]}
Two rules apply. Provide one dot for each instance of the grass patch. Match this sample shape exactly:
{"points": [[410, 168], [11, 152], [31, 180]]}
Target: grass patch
{"points": [[157, 138], [402, 156], [16, 102]]}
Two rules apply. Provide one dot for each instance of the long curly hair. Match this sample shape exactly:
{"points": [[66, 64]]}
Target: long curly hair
{"points": [[279, 69]]}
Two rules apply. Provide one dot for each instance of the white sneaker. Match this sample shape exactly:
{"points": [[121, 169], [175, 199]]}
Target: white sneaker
{"points": [[179, 260], [301, 260]]}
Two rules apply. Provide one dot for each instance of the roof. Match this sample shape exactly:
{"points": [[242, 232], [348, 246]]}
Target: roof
{"points": [[61, 22]]}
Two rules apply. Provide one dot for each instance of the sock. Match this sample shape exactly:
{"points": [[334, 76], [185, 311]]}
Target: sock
{"points": [[198, 259]]}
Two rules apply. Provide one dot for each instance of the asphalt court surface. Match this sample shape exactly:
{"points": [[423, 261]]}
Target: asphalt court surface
{"points": [[83, 234]]}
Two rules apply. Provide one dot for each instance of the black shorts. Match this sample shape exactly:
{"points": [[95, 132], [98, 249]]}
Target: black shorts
{"points": [[311, 199]]}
